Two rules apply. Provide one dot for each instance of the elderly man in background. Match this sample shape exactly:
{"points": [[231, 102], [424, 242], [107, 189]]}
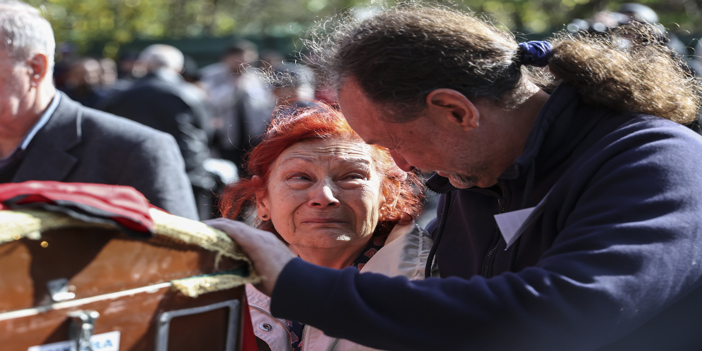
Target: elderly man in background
{"points": [[163, 100], [44, 135]]}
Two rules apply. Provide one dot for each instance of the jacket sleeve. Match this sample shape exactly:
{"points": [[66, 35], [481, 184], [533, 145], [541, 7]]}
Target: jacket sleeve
{"points": [[629, 246], [155, 167]]}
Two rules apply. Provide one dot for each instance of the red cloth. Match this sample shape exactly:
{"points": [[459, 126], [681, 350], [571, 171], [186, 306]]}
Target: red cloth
{"points": [[122, 205]]}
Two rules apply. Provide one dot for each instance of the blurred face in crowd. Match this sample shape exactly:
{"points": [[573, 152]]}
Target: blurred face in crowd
{"points": [[428, 144], [323, 194], [108, 72], [87, 72], [285, 93], [239, 60]]}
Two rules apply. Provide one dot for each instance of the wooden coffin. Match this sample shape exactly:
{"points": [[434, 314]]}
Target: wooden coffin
{"points": [[69, 285]]}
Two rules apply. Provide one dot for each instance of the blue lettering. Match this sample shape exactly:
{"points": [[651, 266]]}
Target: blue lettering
{"points": [[100, 344]]}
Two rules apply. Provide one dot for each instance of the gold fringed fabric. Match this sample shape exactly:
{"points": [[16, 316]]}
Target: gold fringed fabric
{"points": [[18, 224]]}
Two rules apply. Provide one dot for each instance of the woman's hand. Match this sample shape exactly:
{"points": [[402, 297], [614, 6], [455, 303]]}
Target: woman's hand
{"points": [[268, 253]]}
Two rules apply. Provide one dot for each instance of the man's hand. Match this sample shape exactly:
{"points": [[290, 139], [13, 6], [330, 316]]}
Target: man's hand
{"points": [[268, 253]]}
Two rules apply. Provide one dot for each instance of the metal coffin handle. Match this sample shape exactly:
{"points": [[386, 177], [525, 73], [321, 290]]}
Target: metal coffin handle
{"points": [[81, 329], [165, 318]]}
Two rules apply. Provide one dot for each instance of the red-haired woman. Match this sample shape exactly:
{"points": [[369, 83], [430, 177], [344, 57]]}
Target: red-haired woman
{"points": [[336, 201]]}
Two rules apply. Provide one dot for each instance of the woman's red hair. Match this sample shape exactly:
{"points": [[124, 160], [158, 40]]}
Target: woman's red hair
{"points": [[402, 190]]}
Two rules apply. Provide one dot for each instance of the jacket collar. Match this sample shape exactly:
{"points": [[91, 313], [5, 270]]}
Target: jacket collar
{"points": [[47, 156]]}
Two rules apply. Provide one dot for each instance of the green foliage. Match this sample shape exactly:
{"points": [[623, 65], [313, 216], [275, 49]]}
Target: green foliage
{"points": [[114, 23]]}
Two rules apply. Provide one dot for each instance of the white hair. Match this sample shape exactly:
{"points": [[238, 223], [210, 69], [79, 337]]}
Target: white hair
{"points": [[24, 32], [159, 56]]}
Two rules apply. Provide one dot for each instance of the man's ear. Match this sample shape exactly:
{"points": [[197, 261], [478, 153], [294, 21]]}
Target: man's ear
{"points": [[454, 107], [39, 68], [262, 204]]}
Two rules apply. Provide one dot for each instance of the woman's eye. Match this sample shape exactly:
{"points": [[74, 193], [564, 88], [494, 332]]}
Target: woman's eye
{"points": [[354, 176], [300, 177]]}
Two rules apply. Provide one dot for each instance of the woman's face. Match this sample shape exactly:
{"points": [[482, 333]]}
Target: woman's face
{"points": [[323, 194]]}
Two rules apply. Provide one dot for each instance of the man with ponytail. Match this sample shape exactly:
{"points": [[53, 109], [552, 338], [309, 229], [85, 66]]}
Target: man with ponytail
{"points": [[570, 210]]}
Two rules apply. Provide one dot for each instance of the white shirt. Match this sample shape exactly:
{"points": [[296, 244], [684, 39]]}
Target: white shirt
{"points": [[16, 153]]}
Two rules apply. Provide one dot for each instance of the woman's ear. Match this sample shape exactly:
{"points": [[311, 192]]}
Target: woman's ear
{"points": [[262, 204]]}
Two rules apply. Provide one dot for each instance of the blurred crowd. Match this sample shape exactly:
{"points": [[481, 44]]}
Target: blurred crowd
{"points": [[215, 112], [632, 13]]}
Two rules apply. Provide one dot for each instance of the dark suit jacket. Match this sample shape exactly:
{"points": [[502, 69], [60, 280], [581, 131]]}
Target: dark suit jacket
{"points": [[80, 144], [164, 101]]}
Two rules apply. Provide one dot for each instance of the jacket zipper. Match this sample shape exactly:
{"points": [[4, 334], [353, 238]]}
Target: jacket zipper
{"points": [[490, 257]]}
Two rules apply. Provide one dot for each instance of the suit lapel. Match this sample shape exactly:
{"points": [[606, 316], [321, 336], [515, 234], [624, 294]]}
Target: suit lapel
{"points": [[48, 157]]}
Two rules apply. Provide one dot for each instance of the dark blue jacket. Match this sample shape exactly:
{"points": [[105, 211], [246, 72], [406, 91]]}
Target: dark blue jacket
{"points": [[613, 260]]}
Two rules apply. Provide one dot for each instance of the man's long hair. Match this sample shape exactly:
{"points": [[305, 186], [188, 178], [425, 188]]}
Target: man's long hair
{"points": [[400, 55]]}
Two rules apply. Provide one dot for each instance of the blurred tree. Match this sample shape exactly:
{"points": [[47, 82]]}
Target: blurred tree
{"points": [[545, 16], [116, 22]]}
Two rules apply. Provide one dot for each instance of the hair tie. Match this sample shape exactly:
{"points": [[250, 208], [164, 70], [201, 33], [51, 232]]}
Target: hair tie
{"points": [[535, 53]]}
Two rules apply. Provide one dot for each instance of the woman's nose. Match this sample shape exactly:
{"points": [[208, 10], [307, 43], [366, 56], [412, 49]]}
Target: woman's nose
{"points": [[323, 196]]}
